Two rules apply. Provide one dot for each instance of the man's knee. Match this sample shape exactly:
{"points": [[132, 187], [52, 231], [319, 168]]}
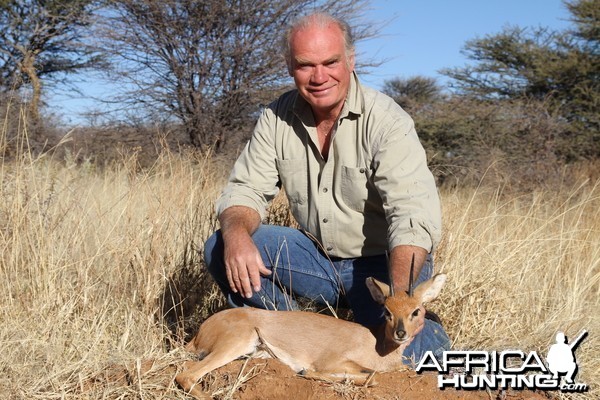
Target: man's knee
{"points": [[213, 254], [432, 338]]}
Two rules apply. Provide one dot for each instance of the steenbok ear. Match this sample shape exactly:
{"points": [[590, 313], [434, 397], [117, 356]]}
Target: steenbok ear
{"points": [[379, 290], [430, 289]]}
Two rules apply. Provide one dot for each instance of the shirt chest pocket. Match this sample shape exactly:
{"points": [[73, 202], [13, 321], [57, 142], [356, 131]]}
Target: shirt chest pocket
{"points": [[293, 175], [355, 189]]}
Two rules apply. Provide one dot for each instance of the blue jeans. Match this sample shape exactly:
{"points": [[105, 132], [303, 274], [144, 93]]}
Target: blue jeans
{"points": [[300, 268]]}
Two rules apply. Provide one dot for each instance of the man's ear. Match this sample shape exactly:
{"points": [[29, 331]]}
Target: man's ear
{"points": [[351, 62]]}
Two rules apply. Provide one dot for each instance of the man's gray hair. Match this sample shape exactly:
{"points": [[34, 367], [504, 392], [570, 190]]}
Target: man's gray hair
{"points": [[320, 20]]}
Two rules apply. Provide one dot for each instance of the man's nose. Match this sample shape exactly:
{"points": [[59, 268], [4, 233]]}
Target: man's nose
{"points": [[319, 75]]}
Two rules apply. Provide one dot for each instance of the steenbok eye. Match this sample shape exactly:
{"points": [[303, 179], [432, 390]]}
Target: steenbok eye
{"points": [[415, 313], [388, 315]]}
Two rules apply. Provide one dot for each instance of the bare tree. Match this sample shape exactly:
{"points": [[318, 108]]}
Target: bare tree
{"points": [[42, 39], [210, 64]]}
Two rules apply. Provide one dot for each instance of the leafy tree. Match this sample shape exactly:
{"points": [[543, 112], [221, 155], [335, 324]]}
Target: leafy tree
{"points": [[586, 17], [209, 64], [417, 90], [562, 69], [43, 40]]}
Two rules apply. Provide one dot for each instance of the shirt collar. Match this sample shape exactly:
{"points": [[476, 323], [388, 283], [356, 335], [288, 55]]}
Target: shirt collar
{"points": [[355, 102]]}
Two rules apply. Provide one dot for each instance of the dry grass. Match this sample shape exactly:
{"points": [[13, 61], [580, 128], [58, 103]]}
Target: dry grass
{"points": [[89, 260], [522, 268], [96, 264]]}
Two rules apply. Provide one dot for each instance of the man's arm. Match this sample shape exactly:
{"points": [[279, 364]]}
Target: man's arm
{"points": [[243, 262], [399, 265], [400, 260], [410, 199]]}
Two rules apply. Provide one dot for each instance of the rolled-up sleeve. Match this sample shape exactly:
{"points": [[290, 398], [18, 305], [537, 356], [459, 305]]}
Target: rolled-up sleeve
{"points": [[254, 179], [407, 187]]}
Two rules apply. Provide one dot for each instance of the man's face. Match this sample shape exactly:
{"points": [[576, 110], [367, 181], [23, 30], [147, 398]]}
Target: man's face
{"points": [[321, 68]]}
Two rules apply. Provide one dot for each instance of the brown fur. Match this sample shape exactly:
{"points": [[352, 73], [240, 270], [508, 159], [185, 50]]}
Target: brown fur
{"points": [[314, 345]]}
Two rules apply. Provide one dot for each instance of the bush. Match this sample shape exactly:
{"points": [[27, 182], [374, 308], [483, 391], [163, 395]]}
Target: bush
{"points": [[518, 140]]}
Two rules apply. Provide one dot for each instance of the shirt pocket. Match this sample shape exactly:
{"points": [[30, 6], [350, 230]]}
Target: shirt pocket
{"points": [[355, 187], [293, 175]]}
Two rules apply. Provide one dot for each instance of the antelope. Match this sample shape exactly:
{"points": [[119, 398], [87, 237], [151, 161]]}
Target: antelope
{"points": [[315, 346]]}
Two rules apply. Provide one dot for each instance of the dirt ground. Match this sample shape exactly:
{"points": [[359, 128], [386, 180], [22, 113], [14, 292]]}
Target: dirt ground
{"points": [[268, 379]]}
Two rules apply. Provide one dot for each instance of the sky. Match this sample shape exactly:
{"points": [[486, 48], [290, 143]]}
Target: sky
{"points": [[428, 35], [421, 38]]}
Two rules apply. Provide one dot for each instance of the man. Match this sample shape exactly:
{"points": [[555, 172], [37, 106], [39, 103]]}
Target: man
{"points": [[357, 181]]}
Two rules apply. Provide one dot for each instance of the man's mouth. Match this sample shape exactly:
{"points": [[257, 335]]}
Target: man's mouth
{"points": [[320, 91]]}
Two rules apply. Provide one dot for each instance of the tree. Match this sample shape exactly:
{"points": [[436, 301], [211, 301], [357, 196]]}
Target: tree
{"points": [[562, 69], [586, 17], [413, 91], [209, 64], [42, 40]]}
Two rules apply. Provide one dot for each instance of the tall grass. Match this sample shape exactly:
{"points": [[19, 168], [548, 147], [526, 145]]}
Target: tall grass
{"points": [[523, 267], [89, 257], [102, 266]]}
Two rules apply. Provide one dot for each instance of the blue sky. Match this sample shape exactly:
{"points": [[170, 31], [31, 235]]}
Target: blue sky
{"points": [[423, 37], [428, 35]]}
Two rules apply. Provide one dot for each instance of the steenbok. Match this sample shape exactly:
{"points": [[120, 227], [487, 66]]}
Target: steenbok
{"points": [[313, 345]]}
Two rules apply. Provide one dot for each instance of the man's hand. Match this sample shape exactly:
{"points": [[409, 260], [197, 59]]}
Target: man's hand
{"points": [[243, 263]]}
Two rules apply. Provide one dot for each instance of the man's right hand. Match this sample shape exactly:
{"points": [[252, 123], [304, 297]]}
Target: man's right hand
{"points": [[243, 264]]}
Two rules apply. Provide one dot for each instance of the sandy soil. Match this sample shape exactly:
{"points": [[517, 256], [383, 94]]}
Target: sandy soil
{"points": [[270, 380]]}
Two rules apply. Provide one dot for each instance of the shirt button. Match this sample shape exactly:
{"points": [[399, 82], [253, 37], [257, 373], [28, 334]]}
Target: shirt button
{"points": [[325, 220], [362, 170], [325, 190], [329, 248]]}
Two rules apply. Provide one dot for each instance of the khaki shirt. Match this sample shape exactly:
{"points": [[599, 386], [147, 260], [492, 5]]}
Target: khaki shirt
{"points": [[372, 193]]}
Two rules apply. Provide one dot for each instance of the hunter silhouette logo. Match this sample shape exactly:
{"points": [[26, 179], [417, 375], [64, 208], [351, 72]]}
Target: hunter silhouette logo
{"points": [[561, 357], [508, 369]]}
